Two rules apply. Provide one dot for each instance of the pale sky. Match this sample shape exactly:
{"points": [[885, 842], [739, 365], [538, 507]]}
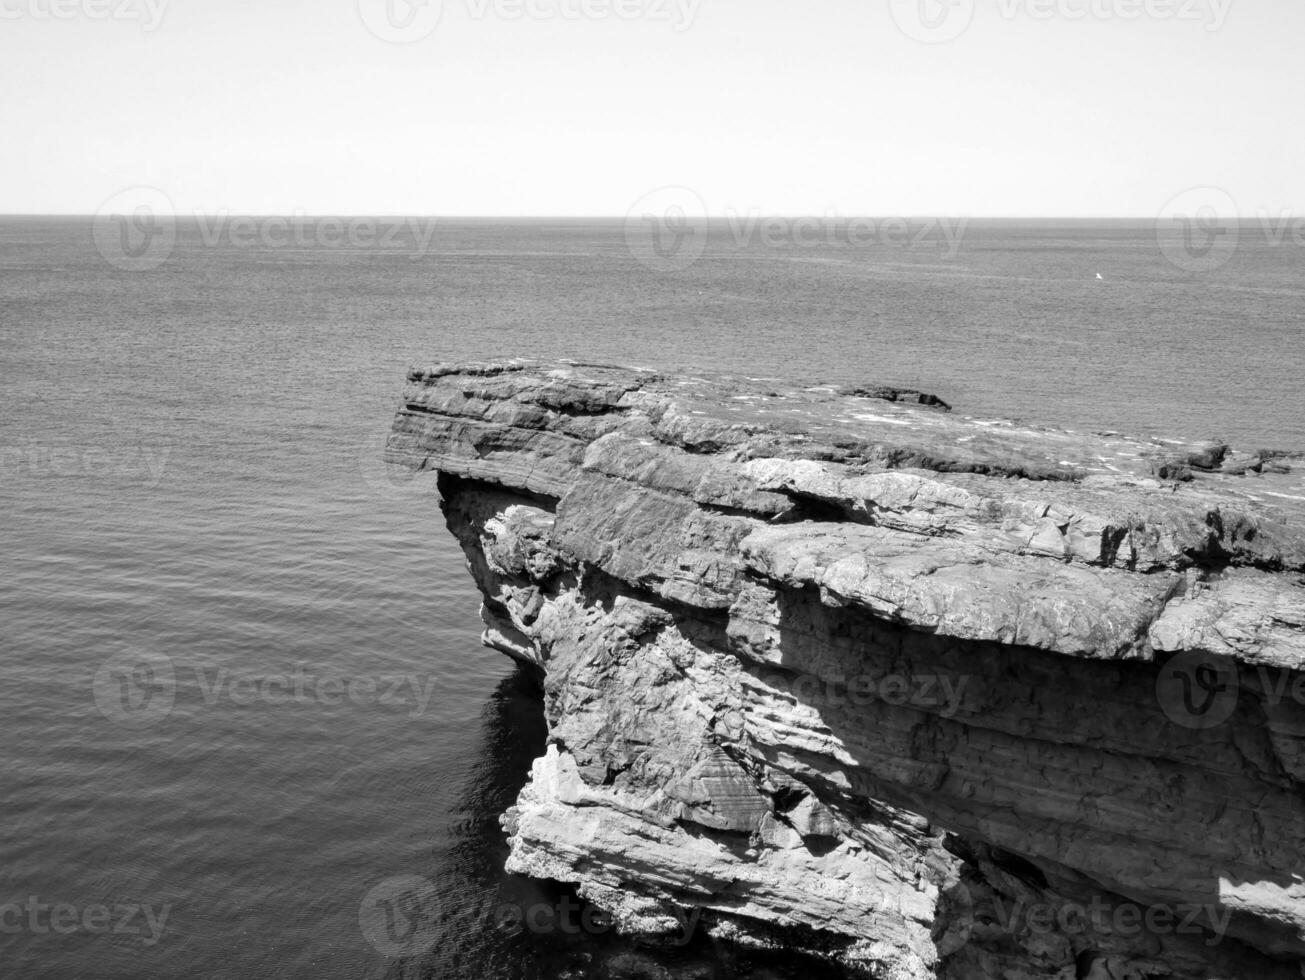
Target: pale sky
{"points": [[582, 107]]}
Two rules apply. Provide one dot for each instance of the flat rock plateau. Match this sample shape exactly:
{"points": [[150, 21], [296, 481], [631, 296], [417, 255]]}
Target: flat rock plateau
{"points": [[839, 670]]}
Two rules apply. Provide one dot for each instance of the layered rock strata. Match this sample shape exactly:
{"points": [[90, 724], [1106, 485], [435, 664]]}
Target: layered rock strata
{"points": [[925, 695]]}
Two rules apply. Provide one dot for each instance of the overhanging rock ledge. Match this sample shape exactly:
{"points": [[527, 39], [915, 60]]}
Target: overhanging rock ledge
{"points": [[924, 695]]}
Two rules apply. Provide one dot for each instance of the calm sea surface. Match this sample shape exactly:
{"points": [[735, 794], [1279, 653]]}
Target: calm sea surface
{"points": [[242, 686]]}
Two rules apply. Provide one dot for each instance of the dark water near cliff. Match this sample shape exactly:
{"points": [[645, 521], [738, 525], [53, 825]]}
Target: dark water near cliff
{"points": [[191, 491]]}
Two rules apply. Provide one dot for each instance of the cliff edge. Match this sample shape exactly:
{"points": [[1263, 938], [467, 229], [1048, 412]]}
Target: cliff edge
{"points": [[920, 694]]}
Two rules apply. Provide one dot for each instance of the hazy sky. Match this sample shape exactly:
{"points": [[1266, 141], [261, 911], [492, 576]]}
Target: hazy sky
{"points": [[581, 107]]}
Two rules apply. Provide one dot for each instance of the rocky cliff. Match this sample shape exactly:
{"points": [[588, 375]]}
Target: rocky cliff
{"points": [[923, 695]]}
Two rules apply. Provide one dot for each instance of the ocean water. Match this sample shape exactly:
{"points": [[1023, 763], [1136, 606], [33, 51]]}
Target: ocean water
{"points": [[243, 694]]}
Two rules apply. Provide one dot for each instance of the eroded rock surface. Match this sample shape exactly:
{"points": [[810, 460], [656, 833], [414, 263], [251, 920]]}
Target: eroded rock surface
{"points": [[926, 695]]}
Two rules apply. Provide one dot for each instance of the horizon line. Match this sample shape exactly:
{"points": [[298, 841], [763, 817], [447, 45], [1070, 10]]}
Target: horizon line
{"points": [[622, 217]]}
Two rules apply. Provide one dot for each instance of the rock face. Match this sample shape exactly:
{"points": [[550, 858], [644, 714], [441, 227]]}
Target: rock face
{"points": [[925, 695]]}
